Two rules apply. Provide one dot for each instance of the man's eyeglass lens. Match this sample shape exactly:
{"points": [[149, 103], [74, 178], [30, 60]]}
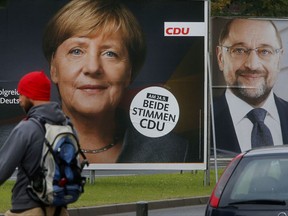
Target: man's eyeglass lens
{"points": [[237, 52]]}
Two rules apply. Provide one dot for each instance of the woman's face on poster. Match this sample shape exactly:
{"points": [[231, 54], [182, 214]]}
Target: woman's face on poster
{"points": [[91, 72]]}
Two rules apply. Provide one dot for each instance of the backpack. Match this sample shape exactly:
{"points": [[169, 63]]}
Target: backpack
{"points": [[58, 180]]}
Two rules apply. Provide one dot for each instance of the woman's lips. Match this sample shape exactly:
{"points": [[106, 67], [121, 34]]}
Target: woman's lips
{"points": [[93, 88]]}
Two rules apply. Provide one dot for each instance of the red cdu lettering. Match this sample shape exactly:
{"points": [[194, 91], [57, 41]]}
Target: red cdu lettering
{"points": [[169, 31], [177, 31]]}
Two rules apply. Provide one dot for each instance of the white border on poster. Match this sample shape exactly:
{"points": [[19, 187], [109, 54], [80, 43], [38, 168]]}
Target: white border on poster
{"points": [[147, 166]]}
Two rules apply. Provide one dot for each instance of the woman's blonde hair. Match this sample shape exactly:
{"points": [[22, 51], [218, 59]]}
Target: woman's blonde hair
{"points": [[105, 16]]}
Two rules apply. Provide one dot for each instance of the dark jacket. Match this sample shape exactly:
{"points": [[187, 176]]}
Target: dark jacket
{"points": [[226, 138], [138, 148], [23, 148]]}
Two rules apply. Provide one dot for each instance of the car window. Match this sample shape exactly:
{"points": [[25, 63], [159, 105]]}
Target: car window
{"points": [[260, 178]]}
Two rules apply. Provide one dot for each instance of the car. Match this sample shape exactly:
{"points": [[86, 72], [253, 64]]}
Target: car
{"points": [[254, 183]]}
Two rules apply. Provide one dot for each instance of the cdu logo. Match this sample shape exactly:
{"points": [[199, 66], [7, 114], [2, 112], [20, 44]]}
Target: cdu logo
{"points": [[184, 29]]}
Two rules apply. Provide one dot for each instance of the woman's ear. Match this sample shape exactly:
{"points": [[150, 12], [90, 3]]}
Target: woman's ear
{"points": [[53, 72]]}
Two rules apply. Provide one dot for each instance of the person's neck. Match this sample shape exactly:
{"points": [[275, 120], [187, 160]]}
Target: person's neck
{"points": [[39, 102], [98, 129], [255, 102]]}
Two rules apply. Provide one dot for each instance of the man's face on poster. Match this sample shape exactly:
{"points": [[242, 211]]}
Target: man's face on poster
{"points": [[250, 59]]}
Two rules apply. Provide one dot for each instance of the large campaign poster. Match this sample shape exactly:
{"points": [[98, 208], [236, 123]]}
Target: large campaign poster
{"points": [[165, 105], [249, 72]]}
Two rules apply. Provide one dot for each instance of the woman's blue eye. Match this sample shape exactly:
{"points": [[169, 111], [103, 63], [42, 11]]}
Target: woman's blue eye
{"points": [[76, 51], [111, 54]]}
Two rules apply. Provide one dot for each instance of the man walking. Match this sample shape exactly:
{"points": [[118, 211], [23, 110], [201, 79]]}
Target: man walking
{"points": [[23, 147]]}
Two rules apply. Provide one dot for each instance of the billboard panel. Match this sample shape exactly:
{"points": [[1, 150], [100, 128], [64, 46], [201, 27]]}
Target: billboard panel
{"points": [[249, 73], [163, 110]]}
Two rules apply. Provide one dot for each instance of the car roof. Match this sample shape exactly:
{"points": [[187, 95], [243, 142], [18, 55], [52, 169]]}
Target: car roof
{"points": [[280, 149]]}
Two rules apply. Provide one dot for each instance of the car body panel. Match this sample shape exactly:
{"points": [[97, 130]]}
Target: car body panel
{"points": [[254, 184]]}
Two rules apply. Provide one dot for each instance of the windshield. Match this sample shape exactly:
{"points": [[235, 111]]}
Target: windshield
{"points": [[258, 180]]}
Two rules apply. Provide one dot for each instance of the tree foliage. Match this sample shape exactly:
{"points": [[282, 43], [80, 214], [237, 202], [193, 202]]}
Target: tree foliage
{"points": [[259, 8]]}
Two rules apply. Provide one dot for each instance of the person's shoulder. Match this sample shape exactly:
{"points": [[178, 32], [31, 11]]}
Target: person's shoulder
{"points": [[281, 102], [48, 112], [27, 124], [24, 129], [220, 104]]}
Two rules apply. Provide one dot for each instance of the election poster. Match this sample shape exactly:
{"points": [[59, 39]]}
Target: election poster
{"points": [[249, 71], [156, 117]]}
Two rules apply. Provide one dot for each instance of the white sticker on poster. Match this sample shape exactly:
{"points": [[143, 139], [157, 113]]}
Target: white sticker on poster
{"points": [[154, 112]]}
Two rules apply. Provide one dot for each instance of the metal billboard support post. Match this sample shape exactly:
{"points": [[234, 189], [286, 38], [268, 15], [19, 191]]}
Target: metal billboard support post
{"points": [[142, 208], [209, 94], [212, 120]]}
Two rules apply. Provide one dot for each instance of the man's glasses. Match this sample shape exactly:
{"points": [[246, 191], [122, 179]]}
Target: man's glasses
{"points": [[241, 53]]}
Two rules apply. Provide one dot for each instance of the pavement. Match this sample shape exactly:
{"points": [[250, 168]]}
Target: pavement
{"points": [[132, 207], [193, 210]]}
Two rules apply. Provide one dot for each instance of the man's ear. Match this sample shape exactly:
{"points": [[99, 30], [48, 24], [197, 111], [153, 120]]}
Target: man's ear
{"points": [[220, 58]]}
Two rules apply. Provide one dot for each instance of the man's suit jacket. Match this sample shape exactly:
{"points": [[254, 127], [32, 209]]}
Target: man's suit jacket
{"points": [[226, 138]]}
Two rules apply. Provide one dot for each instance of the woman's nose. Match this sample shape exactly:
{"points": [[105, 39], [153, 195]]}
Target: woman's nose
{"points": [[93, 65]]}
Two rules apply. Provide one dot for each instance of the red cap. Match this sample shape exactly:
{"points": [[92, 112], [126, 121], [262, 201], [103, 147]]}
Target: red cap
{"points": [[35, 85]]}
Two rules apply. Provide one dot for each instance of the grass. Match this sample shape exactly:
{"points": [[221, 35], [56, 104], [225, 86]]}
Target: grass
{"points": [[127, 189]]}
